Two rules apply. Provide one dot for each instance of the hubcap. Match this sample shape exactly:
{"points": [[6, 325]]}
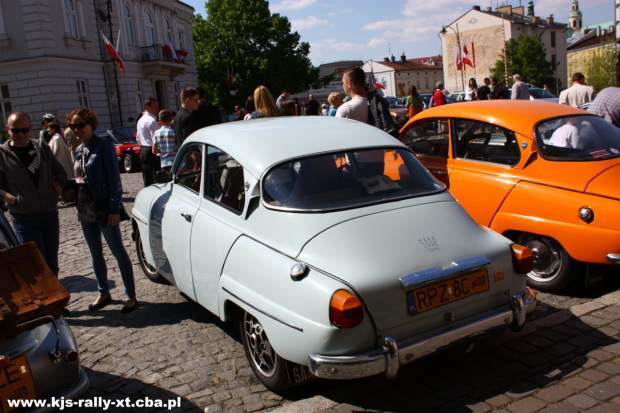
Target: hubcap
{"points": [[261, 352], [547, 257], [127, 162]]}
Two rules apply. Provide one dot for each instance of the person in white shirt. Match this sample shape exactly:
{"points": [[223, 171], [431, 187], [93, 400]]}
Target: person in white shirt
{"points": [[566, 136], [353, 82], [578, 93], [146, 128]]}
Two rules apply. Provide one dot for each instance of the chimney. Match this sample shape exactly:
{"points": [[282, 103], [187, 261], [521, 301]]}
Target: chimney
{"points": [[476, 8], [489, 8], [598, 31], [535, 19], [403, 58], [393, 59], [550, 19], [386, 59]]}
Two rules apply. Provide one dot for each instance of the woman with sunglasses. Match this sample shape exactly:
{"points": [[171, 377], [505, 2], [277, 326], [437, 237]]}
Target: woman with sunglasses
{"points": [[98, 201]]}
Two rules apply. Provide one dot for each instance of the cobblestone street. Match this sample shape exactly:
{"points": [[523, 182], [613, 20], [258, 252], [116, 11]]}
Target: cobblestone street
{"points": [[566, 360]]}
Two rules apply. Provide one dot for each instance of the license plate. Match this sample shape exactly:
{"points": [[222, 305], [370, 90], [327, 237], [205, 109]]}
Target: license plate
{"points": [[16, 383], [445, 292]]}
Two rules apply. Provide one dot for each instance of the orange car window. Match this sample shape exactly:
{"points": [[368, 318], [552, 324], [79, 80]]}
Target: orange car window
{"points": [[485, 142], [431, 137]]}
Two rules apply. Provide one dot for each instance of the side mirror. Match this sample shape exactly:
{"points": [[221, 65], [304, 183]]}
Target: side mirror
{"points": [[163, 177]]}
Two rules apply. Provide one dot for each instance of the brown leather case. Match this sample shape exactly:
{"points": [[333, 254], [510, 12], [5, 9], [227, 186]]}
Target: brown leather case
{"points": [[28, 288]]}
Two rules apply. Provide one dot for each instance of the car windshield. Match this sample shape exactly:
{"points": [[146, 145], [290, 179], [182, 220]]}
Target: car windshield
{"points": [[347, 180], [578, 138], [126, 134], [540, 94]]}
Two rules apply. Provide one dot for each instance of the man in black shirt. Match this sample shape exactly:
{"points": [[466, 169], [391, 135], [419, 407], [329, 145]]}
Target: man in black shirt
{"points": [[184, 123], [312, 107], [207, 114], [499, 90], [484, 92]]}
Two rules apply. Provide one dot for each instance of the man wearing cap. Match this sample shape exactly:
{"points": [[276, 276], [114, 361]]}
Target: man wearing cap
{"points": [[146, 128], [31, 178]]}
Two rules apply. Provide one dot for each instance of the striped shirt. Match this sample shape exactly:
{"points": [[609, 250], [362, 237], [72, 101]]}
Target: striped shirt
{"points": [[165, 141]]}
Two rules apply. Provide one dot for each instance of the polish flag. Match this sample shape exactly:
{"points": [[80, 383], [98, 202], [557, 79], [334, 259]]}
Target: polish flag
{"points": [[473, 52], [114, 54], [379, 86], [457, 61], [170, 50], [184, 53], [466, 60]]}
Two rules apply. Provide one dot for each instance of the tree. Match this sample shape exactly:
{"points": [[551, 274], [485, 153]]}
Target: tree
{"points": [[525, 56], [600, 70], [242, 40]]}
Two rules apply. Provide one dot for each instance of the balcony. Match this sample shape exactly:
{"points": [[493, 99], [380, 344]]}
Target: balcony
{"points": [[157, 62]]}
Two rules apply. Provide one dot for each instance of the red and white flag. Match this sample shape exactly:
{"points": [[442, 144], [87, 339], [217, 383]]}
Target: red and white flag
{"points": [[457, 60], [465, 57], [184, 53], [170, 50], [114, 54]]}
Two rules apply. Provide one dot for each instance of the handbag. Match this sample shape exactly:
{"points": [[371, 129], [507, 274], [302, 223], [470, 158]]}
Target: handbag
{"points": [[68, 196]]}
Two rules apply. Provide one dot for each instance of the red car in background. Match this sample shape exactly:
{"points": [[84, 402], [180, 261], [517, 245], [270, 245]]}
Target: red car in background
{"points": [[126, 146]]}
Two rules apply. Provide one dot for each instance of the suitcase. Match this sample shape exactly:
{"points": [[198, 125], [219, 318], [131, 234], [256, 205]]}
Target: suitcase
{"points": [[28, 290]]}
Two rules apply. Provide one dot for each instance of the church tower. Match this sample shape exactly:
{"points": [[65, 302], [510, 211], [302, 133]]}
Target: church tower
{"points": [[574, 18]]}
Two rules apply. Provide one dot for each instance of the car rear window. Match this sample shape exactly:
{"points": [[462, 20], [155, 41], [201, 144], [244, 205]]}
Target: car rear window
{"points": [[347, 180], [577, 138]]}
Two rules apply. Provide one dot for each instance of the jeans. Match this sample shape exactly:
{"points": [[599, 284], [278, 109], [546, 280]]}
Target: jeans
{"points": [[114, 239], [45, 233]]}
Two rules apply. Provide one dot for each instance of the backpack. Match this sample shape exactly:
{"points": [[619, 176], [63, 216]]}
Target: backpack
{"points": [[379, 114]]}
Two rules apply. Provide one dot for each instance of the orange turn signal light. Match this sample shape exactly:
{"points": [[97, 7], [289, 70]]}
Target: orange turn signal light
{"points": [[522, 259], [345, 310]]}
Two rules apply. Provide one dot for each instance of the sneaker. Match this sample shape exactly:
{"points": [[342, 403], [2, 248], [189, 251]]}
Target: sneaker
{"points": [[130, 305], [100, 302]]}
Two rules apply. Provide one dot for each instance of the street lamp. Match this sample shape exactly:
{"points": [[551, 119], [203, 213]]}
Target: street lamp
{"points": [[443, 34]]}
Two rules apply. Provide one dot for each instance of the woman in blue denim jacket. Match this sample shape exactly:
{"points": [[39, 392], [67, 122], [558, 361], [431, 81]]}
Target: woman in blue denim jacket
{"points": [[98, 200]]}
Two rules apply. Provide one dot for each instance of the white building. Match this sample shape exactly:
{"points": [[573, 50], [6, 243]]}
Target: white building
{"points": [[397, 75], [488, 31], [53, 59]]}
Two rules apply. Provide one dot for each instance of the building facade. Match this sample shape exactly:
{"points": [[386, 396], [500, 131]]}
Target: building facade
{"points": [[397, 75], [53, 58], [484, 33]]}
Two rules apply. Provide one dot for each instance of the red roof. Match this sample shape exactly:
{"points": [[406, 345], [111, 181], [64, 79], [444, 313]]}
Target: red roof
{"points": [[420, 63]]}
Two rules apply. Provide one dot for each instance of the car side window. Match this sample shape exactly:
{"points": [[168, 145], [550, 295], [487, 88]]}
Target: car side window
{"points": [[485, 142], [429, 137], [189, 170], [224, 181]]}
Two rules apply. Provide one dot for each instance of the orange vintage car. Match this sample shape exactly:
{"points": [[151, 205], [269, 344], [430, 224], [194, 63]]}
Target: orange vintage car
{"points": [[544, 175]]}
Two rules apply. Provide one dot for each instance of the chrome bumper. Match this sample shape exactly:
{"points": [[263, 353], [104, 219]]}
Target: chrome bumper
{"points": [[389, 358], [614, 258]]}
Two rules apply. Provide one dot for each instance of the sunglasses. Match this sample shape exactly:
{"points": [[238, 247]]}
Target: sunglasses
{"points": [[79, 125], [22, 130]]}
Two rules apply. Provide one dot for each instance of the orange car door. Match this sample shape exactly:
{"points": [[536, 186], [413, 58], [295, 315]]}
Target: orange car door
{"points": [[481, 177], [430, 141]]}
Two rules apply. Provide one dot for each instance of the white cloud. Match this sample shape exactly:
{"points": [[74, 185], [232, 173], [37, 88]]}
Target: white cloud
{"points": [[291, 5], [308, 22]]}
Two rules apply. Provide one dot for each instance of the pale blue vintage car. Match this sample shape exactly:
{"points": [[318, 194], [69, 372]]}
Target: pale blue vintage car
{"points": [[338, 254]]}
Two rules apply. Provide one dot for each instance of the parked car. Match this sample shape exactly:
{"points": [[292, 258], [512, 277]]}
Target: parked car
{"points": [[42, 362], [456, 97], [339, 254], [399, 112], [500, 163], [126, 146], [541, 94]]}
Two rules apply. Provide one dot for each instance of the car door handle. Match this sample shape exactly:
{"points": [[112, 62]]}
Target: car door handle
{"points": [[187, 217], [442, 173]]}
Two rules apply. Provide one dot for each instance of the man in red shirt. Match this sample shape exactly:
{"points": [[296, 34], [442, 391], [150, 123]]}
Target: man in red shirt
{"points": [[438, 97]]}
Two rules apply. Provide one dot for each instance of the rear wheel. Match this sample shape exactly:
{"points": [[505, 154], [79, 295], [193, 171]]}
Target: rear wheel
{"points": [[267, 365], [150, 271], [553, 267], [129, 163]]}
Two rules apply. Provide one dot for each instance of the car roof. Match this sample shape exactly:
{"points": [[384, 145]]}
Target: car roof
{"points": [[260, 143], [516, 115]]}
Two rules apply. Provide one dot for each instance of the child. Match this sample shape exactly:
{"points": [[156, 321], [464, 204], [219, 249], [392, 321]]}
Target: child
{"points": [[165, 143]]}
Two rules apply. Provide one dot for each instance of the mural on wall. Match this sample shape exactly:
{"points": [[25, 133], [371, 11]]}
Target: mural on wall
{"points": [[401, 90]]}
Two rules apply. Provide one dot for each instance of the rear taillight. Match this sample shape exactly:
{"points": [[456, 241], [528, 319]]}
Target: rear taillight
{"points": [[71, 356], [345, 310], [522, 259]]}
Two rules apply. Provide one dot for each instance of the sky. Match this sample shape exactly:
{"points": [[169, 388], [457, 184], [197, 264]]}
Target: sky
{"points": [[374, 29]]}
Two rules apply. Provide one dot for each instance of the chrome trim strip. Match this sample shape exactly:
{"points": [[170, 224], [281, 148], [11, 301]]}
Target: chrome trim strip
{"points": [[384, 360], [614, 258], [263, 312], [434, 273]]}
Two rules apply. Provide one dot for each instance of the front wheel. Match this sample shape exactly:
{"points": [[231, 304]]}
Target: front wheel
{"points": [[129, 163], [267, 365], [150, 271], [553, 267]]}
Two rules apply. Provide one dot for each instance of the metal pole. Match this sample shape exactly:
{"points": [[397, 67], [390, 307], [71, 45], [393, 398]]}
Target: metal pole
{"points": [[458, 39], [118, 91], [105, 71]]}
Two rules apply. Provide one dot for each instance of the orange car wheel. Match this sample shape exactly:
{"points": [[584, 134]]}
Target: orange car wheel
{"points": [[553, 267]]}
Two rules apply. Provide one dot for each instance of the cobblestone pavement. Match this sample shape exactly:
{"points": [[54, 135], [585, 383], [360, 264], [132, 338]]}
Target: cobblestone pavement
{"points": [[566, 360]]}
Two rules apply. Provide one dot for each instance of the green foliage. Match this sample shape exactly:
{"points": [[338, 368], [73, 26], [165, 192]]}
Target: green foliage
{"points": [[526, 57], [600, 71], [242, 36]]}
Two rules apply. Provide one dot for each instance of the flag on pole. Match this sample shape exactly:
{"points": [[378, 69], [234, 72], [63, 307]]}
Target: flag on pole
{"points": [[170, 51], [473, 52], [184, 53], [465, 57], [114, 54], [457, 60]]}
